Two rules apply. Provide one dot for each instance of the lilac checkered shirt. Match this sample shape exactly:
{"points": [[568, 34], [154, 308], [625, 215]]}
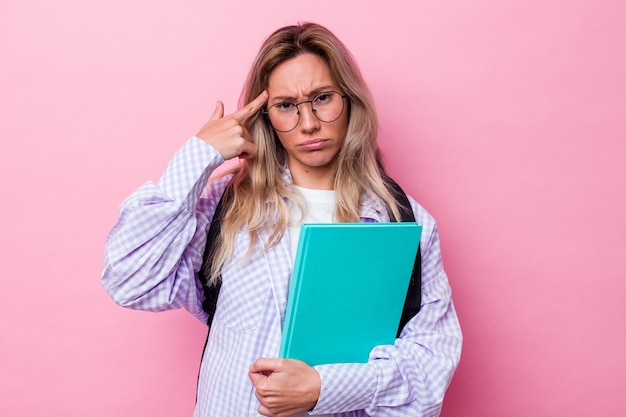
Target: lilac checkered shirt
{"points": [[155, 250]]}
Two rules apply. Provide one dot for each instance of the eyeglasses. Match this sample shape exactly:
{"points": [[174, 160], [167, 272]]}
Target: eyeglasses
{"points": [[285, 116]]}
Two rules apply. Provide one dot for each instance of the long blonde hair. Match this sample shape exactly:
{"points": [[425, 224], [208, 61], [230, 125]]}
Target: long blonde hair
{"points": [[260, 189]]}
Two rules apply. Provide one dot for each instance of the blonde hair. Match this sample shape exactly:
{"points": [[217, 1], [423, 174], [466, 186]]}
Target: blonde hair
{"points": [[260, 189]]}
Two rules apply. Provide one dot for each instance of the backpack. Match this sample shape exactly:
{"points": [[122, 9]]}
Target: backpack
{"points": [[412, 302]]}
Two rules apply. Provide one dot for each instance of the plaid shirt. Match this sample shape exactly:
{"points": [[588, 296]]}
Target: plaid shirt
{"points": [[155, 250]]}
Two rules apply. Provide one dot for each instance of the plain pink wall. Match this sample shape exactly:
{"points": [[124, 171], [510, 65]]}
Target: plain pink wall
{"points": [[505, 119]]}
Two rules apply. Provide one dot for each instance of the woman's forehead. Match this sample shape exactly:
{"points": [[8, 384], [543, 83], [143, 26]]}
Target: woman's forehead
{"points": [[298, 77]]}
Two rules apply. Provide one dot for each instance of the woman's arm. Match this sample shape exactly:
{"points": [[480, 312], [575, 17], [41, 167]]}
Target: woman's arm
{"points": [[156, 246], [158, 242]]}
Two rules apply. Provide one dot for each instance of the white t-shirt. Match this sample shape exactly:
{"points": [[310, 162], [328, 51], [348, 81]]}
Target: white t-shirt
{"points": [[319, 208]]}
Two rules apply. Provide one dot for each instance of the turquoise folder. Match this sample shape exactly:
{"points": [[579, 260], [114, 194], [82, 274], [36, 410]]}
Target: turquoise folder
{"points": [[347, 290]]}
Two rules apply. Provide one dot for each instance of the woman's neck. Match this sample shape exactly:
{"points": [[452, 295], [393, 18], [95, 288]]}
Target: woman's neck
{"points": [[316, 178]]}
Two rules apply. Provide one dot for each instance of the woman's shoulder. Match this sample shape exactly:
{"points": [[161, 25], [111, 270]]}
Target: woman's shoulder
{"points": [[422, 216]]}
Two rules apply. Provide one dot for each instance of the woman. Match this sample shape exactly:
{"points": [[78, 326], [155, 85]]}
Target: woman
{"points": [[306, 137]]}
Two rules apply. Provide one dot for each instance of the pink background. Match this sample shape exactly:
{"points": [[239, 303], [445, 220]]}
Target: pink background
{"points": [[506, 119]]}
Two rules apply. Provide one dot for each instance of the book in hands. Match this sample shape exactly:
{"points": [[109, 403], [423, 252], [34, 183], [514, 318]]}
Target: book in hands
{"points": [[347, 290]]}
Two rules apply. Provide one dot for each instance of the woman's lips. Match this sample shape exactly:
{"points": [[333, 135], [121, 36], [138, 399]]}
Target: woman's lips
{"points": [[313, 144]]}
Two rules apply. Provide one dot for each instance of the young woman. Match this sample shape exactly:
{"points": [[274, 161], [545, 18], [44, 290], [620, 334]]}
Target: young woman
{"points": [[306, 135]]}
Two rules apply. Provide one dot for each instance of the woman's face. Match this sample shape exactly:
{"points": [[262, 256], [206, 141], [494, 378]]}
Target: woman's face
{"points": [[312, 146]]}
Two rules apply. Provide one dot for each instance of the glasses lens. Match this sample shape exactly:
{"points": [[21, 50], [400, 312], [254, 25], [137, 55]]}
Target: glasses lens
{"points": [[328, 106], [285, 116]]}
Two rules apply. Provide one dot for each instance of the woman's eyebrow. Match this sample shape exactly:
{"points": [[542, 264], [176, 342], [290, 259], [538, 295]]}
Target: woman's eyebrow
{"points": [[282, 98], [311, 93]]}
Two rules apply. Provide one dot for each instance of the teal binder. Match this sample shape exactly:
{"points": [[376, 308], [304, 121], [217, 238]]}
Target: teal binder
{"points": [[347, 290]]}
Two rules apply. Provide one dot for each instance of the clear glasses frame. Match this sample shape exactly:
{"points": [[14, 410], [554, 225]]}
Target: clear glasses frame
{"points": [[266, 110]]}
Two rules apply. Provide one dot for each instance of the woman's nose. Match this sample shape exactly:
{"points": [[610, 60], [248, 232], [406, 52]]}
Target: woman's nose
{"points": [[308, 120]]}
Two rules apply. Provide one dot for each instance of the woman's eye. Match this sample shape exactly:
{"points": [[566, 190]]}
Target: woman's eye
{"points": [[285, 106], [323, 98]]}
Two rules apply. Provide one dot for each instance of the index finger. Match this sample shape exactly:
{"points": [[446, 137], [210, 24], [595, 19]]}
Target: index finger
{"points": [[250, 109], [264, 365]]}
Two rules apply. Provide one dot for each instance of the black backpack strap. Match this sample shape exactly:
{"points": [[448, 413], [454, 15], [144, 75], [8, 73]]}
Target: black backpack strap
{"points": [[413, 300], [211, 292]]}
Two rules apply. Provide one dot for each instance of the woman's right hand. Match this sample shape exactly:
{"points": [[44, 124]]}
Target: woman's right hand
{"points": [[228, 134]]}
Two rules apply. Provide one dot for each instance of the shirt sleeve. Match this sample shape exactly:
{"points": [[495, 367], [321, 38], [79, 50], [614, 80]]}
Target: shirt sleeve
{"points": [[155, 248], [410, 377]]}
